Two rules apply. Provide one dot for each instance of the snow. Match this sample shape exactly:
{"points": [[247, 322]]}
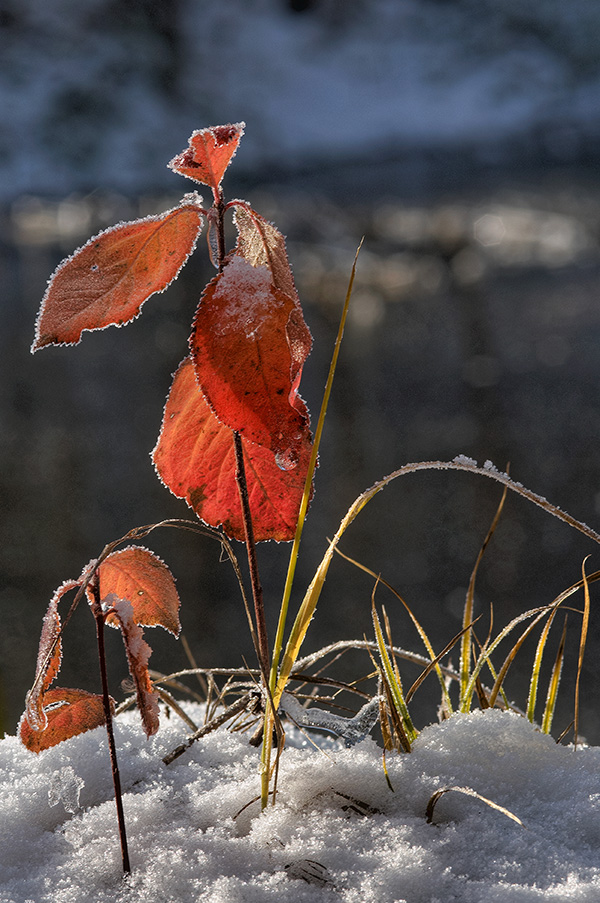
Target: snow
{"points": [[337, 831]]}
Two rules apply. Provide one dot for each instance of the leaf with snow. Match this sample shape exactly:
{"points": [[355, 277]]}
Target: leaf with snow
{"points": [[244, 362], [137, 574], [208, 154], [195, 459], [107, 280], [138, 654], [68, 713]]}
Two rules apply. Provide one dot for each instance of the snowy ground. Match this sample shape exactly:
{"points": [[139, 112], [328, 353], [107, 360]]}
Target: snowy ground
{"points": [[337, 831]]}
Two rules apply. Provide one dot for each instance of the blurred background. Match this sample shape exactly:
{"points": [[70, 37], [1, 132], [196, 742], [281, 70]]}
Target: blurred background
{"points": [[462, 139]]}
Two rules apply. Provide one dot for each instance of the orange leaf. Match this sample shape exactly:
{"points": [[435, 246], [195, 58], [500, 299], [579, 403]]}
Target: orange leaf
{"points": [[195, 459], [106, 281], [208, 154], [244, 358], [67, 713], [137, 574], [138, 653], [49, 658]]}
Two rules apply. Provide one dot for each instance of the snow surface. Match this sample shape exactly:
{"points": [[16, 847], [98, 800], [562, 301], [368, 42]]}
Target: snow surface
{"points": [[337, 831]]}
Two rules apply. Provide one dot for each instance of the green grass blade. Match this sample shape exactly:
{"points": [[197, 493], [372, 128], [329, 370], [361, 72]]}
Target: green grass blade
{"points": [[554, 683], [278, 645], [537, 664], [393, 680]]}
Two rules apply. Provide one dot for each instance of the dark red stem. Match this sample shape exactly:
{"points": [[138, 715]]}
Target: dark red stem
{"points": [[99, 618], [257, 594], [242, 484]]}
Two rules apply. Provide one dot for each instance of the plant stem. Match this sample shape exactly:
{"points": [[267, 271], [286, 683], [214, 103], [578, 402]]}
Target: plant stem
{"points": [[257, 594], [242, 484], [99, 618]]}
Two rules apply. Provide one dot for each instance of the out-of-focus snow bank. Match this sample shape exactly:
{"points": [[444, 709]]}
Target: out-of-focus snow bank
{"points": [[337, 831], [105, 93]]}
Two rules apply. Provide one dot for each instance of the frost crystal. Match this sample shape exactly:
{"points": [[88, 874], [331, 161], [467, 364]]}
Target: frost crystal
{"points": [[351, 730], [65, 788], [465, 461]]}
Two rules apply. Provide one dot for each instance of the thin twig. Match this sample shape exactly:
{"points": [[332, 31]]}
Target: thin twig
{"points": [[99, 618]]}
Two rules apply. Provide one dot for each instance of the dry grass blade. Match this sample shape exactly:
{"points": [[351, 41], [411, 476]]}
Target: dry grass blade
{"points": [[436, 661], [584, 632], [465, 647], [418, 627], [468, 792], [217, 722], [554, 683]]}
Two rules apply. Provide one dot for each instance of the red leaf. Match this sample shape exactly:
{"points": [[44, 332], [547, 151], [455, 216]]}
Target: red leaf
{"points": [[245, 349], [48, 660], [138, 653], [67, 713], [195, 459], [106, 281], [208, 154], [137, 574]]}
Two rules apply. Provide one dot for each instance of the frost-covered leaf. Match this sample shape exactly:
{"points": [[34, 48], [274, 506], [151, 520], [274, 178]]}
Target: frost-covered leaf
{"points": [[48, 660], [137, 574], [138, 653], [195, 459], [244, 359], [106, 281], [68, 713], [208, 154]]}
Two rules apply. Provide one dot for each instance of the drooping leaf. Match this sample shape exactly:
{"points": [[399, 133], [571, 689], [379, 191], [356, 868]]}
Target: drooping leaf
{"points": [[106, 281], [67, 713], [208, 154], [195, 459], [245, 351], [138, 653], [48, 660], [137, 574]]}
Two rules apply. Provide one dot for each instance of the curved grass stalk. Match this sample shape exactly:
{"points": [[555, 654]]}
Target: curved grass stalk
{"points": [[313, 592]]}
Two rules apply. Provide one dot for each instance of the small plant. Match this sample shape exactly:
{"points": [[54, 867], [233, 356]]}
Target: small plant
{"points": [[235, 441], [236, 444]]}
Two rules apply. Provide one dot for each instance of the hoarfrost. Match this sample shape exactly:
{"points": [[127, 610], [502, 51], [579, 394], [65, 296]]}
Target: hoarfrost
{"points": [[65, 787], [465, 461], [351, 730]]}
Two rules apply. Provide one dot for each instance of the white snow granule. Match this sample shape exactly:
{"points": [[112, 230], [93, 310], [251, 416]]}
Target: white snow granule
{"points": [[337, 831]]}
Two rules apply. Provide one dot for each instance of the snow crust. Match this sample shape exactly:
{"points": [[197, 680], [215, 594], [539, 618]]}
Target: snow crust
{"points": [[337, 831]]}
